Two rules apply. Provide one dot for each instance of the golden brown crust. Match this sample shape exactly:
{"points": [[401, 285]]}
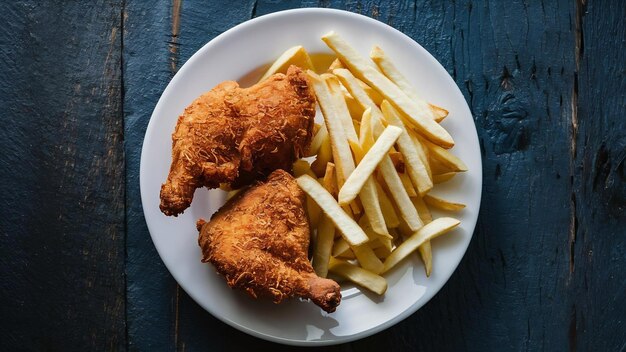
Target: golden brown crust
{"points": [[259, 241], [234, 135]]}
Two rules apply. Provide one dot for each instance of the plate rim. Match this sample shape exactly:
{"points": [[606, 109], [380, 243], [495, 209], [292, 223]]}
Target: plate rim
{"points": [[224, 36]]}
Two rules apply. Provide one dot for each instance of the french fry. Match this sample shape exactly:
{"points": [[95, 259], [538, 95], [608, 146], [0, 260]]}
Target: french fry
{"points": [[415, 166], [316, 143], [394, 183], [388, 68], [442, 204], [398, 161], [323, 246], [324, 156], [335, 64], [382, 252], [369, 196], [359, 276], [366, 167], [302, 167], [296, 55], [383, 239], [340, 247], [316, 127], [367, 259], [355, 109], [349, 255], [343, 114], [436, 228], [372, 93], [424, 250], [418, 113], [330, 180], [344, 223], [441, 178], [422, 209], [408, 185], [389, 214], [338, 140], [232, 193], [422, 152], [447, 159]]}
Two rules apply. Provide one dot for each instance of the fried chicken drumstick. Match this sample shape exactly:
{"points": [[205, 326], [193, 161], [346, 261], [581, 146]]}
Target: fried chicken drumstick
{"points": [[236, 135], [259, 241]]}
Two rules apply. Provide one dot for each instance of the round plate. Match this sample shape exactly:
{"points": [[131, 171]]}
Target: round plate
{"points": [[240, 51]]}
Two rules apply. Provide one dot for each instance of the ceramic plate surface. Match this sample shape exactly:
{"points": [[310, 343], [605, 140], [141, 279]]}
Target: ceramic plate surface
{"points": [[232, 56]]}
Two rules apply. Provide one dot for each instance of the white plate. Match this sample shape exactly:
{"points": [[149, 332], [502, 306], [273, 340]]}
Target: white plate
{"points": [[230, 56]]}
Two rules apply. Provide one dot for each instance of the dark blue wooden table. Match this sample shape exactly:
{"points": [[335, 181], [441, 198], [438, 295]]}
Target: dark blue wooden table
{"points": [[545, 81]]}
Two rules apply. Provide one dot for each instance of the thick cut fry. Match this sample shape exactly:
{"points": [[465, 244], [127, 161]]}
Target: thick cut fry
{"points": [[336, 131], [422, 151], [323, 246], [366, 167], [389, 214], [447, 159], [359, 276], [383, 239], [442, 204], [330, 180], [232, 193], [415, 166], [302, 167], [398, 193], [441, 178], [340, 149], [340, 247], [428, 232], [388, 68], [316, 143], [382, 252], [324, 156], [398, 161], [422, 210], [367, 259], [343, 114], [346, 225], [420, 115], [355, 109], [335, 64], [372, 93], [408, 185], [296, 55]]}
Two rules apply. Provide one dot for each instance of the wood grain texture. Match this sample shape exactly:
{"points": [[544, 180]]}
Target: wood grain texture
{"points": [[544, 270], [598, 200], [62, 169]]}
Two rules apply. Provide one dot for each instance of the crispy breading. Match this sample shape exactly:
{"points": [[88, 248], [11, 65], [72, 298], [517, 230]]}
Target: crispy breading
{"points": [[259, 241], [232, 135]]}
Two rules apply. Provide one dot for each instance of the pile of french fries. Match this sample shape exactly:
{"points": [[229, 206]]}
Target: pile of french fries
{"points": [[379, 153]]}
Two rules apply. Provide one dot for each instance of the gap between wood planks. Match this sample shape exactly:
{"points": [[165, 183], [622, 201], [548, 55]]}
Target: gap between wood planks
{"points": [[573, 226], [578, 52]]}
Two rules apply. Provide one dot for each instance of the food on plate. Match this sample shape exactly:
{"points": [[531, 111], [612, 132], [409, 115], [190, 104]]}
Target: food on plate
{"points": [[259, 242], [236, 135], [418, 112], [366, 198], [296, 56]]}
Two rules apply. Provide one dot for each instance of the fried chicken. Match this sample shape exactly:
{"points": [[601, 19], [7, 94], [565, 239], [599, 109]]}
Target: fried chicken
{"points": [[259, 241], [236, 135]]}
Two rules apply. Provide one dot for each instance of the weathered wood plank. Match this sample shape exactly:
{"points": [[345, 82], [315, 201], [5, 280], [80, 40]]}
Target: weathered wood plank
{"points": [[516, 65], [151, 291], [598, 199], [513, 61], [62, 169]]}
